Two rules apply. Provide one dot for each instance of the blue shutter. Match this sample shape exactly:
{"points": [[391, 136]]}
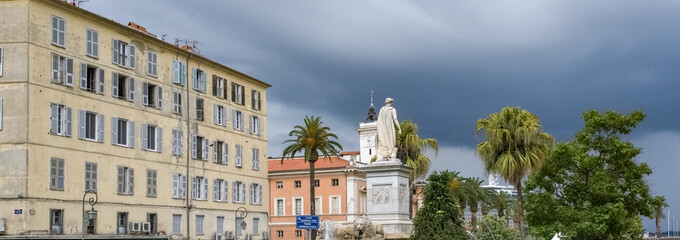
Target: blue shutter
{"points": [[145, 133], [114, 130], [131, 134]]}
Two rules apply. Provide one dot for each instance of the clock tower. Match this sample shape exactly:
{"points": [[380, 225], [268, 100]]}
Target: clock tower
{"points": [[368, 130]]}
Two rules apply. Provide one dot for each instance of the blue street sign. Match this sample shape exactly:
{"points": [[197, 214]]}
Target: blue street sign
{"points": [[18, 211], [307, 222]]}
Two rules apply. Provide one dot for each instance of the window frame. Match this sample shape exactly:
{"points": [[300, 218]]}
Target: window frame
{"points": [[116, 133], [295, 206], [256, 102], [298, 183], [62, 70], [151, 183], [199, 231], [125, 53], [128, 183], [335, 182], [92, 43], [64, 120], [199, 80], [91, 180], [177, 103], [57, 174], [276, 208], [157, 138], [176, 225], [152, 63], [279, 184], [177, 139], [60, 33], [330, 204]]}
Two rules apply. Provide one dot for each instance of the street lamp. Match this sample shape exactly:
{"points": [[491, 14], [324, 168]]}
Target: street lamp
{"points": [[243, 213], [91, 214]]}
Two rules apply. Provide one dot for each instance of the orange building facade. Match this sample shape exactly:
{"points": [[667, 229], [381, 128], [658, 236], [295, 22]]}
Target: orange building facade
{"points": [[340, 193]]}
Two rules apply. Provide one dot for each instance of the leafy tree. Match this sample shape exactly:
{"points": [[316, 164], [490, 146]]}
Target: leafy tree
{"points": [[591, 187], [410, 147], [495, 228], [438, 219], [312, 139], [657, 204], [515, 146]]}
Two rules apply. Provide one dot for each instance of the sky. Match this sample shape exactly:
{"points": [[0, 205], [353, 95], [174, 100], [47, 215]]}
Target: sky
{"points": [[446, 63]]}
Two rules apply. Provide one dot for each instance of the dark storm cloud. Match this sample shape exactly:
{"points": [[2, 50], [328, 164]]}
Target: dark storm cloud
{"points": [[447, 63]]}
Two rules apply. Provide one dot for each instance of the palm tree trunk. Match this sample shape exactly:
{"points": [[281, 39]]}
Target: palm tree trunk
{"points": [[501, 212], [520, 210], [312, 195], [473, 216], [658, 227]]}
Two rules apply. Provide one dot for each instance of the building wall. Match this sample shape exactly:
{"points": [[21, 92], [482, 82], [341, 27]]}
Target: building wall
{"points": [[26, 145]]}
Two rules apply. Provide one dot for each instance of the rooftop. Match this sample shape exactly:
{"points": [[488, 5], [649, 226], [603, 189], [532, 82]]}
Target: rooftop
{"points": [[300, 164]]}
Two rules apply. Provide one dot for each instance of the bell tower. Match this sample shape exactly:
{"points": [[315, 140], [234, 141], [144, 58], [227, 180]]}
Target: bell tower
{"points": [[367, 132]]}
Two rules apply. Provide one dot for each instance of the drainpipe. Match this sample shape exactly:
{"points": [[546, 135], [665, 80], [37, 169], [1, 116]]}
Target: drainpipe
{"points": [[188, 112]]}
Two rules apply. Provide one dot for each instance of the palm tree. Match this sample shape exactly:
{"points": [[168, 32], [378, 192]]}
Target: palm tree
{"points": [[475, 195], [501, 203], [410, 147], [312, 139], [515, 146], [458, 186], [488, 201], [658, 203]]}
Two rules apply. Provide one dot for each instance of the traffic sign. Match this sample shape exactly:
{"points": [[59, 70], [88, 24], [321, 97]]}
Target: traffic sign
{"points": [[307, 222]]}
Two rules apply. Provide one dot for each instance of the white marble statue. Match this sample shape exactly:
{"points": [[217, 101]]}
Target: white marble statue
{"points": [[387, 141]]}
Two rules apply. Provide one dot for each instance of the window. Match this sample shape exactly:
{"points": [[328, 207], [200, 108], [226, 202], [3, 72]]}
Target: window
{"points": [[179, 72], [123, 87], [220, 190], [298, 233], [126, 180], [256, 226], [237, 95], [254, 125], [90, 176], [151, 178], [179, 186], [239, 192], [152, 138], [255, 100], [298, 206], [199, 80], [335, 182], [220, 115], [177, 142], [279, 185], [316, 183], [199, 188], [123, 54], [2, 54], [256, 159], [334, 205], [220, 152], [152, 218], [91, 78], [152, 95], [62, 70], [60, 120], [56, 221], [220, 225], [176, 224], [219, 87], [199, 109], [279, 233], [239, 222], [298, 184], [199, 148], [177, 103], [122, 222], [56, 174], [122, 132], [58, 31], [318, 206], [255, 193], [238, 119], [92, 43], [90, 126], [239, 156], [152, 63], [199, 224], [280, 207]]}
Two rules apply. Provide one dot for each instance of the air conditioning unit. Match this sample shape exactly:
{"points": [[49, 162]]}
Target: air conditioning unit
{"points": [[217, 236], [265, 235], [134, 227], [229, 235], [146, 227]]}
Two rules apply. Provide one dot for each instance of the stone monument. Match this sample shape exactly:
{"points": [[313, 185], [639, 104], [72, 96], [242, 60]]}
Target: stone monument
{"points": [[387, 182]]}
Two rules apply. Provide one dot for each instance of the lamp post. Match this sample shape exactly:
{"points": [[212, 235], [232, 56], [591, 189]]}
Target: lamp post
{"points": [[91, 214], [243, 214]]}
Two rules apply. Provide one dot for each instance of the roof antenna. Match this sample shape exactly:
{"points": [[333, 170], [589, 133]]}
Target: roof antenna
{"points": [[371, 98], [78, 2]]}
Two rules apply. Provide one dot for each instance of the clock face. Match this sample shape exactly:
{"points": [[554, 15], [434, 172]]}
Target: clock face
{"points": [[369, 141]]}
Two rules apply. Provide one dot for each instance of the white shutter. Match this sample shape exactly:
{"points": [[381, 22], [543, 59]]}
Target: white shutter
{"points": [[259, 194], [205, 189], [67, 123], [216, 191], [234, 119], [114, 85], [179, 142], [54, 118], [215, 151], [81, 124], [194, 147], [234, 192], [252, 193], [174, 142], [159, 139], [225, 191], [238, 155], [194, 78], [131, 56], [100, 81], [183, 186], [69, 72], [131, 90], [243, 193], [194, 193], [116, 56], [131, 134], [175, 185], [145, 94], [175, 72], [1, 55], [114, 131], [83, 76], [215, 115], [121, 179], [160, 97], [100, 127], [56, 75], [205, 149], [131, 181], [183, 73], [225, 153], [204, 82], [145, 136]]}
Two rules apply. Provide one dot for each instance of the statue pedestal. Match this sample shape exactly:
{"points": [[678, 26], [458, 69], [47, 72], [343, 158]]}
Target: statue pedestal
{"points": [[387, 197]]}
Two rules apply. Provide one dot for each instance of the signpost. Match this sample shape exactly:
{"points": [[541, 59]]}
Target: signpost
{"points": [[307, 222]]}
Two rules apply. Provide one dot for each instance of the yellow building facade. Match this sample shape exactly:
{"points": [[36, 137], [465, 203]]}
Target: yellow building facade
{"points": [[154, 129]]}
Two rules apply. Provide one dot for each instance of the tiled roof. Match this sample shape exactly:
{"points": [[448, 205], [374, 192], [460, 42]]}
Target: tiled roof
{"points": [[300, 164], [350, 153]]}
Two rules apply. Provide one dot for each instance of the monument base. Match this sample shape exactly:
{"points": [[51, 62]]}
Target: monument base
{"points": [[387, 197]]}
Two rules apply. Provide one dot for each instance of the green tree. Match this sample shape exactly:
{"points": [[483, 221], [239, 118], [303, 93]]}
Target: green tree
{"points": [[657, 204], [438, 219], [312, 139], [501, 203], [515, 146], [410, 149], [475, 196], [591, 187], [495, 228]]}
